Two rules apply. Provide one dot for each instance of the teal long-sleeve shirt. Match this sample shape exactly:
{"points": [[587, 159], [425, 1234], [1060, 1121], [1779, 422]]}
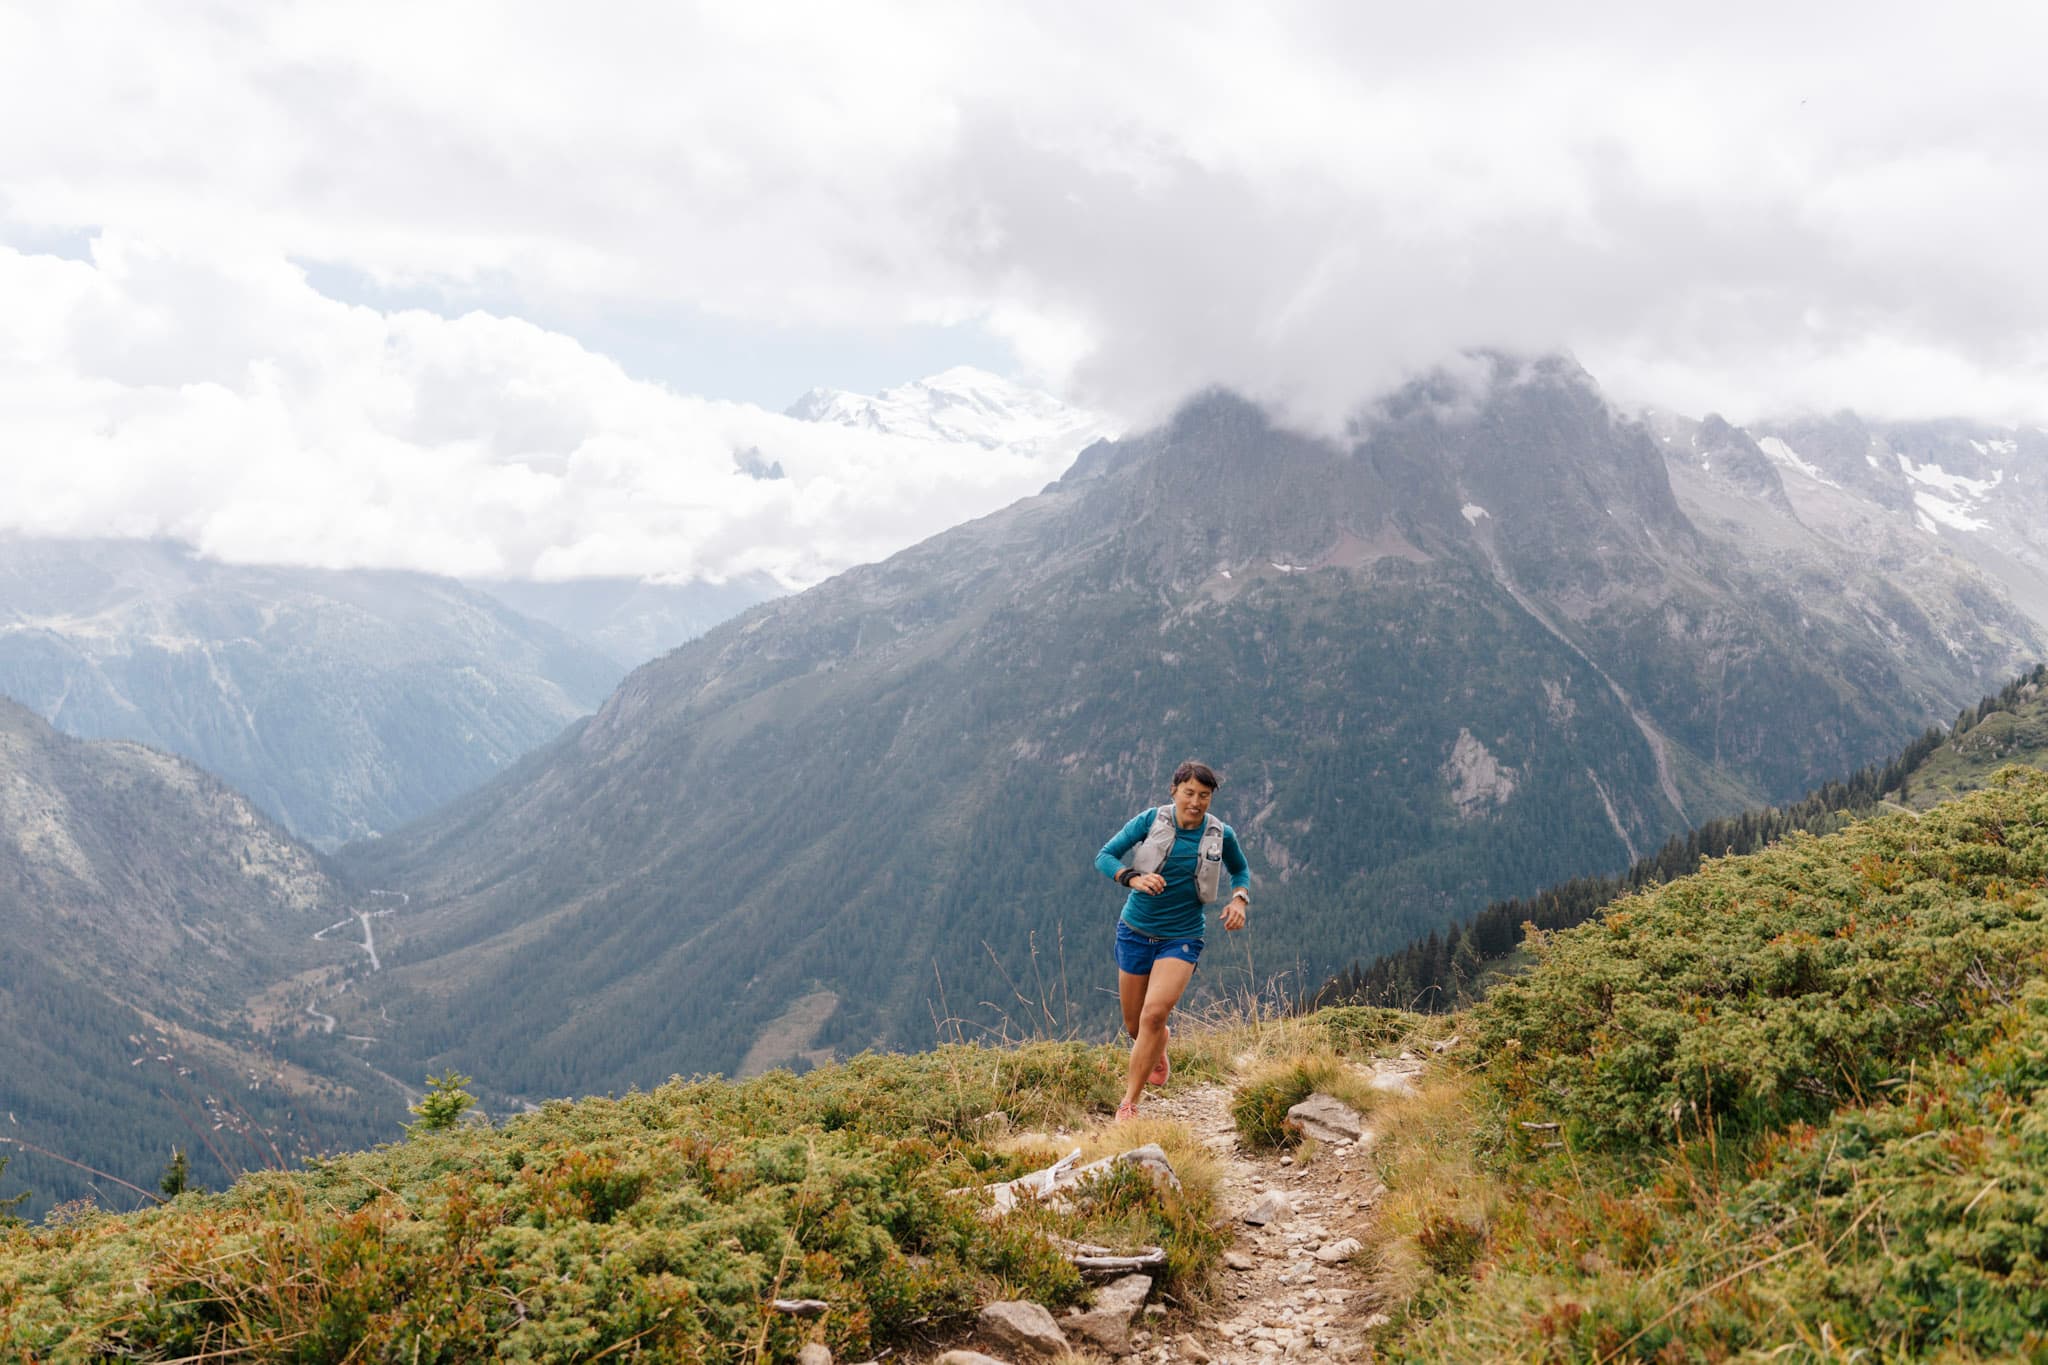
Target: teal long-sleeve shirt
{"points": [[1174, 912]]}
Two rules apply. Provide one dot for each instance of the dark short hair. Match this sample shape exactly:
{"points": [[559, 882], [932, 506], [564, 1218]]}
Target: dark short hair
{"points": [[1192, 771]]}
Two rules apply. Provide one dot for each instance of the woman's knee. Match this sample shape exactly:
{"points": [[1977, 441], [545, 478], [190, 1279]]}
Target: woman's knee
{"points": [[1155, 1013]]}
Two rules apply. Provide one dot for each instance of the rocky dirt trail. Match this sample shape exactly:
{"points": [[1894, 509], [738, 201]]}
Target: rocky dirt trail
{"points": [[1296, 1285]]}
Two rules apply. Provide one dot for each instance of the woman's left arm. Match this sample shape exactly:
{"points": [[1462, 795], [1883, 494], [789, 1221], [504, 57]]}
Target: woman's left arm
{"points": [[1240, 881]]}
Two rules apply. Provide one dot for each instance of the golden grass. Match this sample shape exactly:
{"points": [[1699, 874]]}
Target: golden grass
{"points": [[1424, 1157]]}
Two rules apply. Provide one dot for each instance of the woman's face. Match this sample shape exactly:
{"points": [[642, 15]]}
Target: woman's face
{"points": [[1191, 803]]}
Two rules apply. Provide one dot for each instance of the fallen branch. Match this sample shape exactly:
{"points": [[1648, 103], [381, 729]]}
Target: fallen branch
{"points": [[1108, 1261]]}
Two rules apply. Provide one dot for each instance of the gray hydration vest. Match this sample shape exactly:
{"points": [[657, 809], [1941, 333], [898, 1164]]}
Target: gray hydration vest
{"points": [[1150, 855]]}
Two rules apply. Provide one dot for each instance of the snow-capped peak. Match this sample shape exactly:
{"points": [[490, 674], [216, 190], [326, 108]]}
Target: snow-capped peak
{"points": [[962, 405]]}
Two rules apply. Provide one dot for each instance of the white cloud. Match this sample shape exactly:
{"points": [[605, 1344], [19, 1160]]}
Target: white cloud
{"points": [[223, 401], [1762, 208]]}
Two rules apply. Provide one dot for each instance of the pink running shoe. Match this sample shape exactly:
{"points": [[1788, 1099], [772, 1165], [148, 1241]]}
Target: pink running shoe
{"points": [[1126, 1112], [1165, 1067]]}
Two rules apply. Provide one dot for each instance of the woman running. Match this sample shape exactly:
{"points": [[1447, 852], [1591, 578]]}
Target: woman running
{"points": [[1177, 855]]}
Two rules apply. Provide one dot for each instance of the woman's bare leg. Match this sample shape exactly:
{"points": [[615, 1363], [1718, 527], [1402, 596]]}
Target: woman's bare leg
{"points": [[1170, 976]]}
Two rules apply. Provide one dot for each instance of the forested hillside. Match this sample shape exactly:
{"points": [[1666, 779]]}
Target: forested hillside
{"points": [[155, 924], [1445, 970], [1475, 650]]}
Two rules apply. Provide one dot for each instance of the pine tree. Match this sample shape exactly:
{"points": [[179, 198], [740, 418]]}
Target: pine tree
{"points": [[177, 1176], [443, 1105], [7, 1206]]}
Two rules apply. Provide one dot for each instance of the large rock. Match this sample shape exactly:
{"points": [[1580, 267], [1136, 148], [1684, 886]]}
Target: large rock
{"points": [[1336, 1253], [1117, 1304], [1270, 1207], [1024, 1326], [1327, 1119], [816, 1353], [1151, 1159]]}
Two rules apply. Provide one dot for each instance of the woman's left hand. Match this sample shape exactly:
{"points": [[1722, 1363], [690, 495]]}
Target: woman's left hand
{"points": [[1233, 915]]}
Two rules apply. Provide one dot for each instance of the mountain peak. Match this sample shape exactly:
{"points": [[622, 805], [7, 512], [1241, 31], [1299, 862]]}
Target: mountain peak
{"points": [[961, 405]]}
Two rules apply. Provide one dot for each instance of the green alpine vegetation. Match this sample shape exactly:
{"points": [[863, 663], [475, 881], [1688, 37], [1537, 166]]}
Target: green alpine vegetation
{"points": [[1792, 1106], [659, 1225]]}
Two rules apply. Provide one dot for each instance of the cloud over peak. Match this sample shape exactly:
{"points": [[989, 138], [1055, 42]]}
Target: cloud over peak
{"points": [[1763, 209]]}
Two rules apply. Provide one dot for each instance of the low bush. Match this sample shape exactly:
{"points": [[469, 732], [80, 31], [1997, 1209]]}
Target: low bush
{"points": [[1649, 1197], [1259, 1106], [660, 1223], [1772, 988]]}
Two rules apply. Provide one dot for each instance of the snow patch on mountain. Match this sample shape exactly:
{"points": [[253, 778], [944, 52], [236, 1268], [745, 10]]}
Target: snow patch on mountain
{"points": [[1936, 508], [1785, 455], [963, 406], [1950, 499], [1953, 485]]}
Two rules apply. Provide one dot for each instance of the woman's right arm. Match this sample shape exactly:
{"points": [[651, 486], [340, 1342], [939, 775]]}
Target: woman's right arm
{"points": [[1110, 860]]}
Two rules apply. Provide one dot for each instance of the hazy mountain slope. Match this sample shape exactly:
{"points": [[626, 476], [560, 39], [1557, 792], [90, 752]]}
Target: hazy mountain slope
{"points": [[1445, 970], [1978, 491], [146, 907], [1480, 649], [340, 702], [627, 620]]}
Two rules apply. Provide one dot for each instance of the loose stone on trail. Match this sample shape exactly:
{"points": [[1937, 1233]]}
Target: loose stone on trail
{"points": [[1271, 1207], [1327, 1119]]}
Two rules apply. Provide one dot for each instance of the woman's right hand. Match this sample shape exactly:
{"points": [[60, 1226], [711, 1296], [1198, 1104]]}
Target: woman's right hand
{"points": [[1151, 883]]}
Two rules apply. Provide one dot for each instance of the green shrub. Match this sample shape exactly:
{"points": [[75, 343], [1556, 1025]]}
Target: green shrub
{"points": [[1896, 1211], [1770, 989], [1259, 1108], [659, 1223], [1449, 1244], [1366, 1028]]}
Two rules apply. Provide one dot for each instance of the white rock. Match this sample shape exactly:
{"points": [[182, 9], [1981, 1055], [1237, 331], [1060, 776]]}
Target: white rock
{"points": [[1271, 1207], [968, 1358], [1237, 1260], [1024, 1326], [1337, 1252], [1327, 1118], [816, 1353], [1108, 1323]]}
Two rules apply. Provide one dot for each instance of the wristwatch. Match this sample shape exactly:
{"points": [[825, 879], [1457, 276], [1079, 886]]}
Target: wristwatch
{"points": [[1123, 877]]}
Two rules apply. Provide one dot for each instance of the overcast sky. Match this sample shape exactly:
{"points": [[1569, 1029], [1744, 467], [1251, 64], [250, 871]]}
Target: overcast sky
{"points": [[499, 288]]}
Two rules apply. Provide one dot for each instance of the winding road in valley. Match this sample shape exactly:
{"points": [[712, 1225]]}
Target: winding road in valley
{"points": [[368, 945]]}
